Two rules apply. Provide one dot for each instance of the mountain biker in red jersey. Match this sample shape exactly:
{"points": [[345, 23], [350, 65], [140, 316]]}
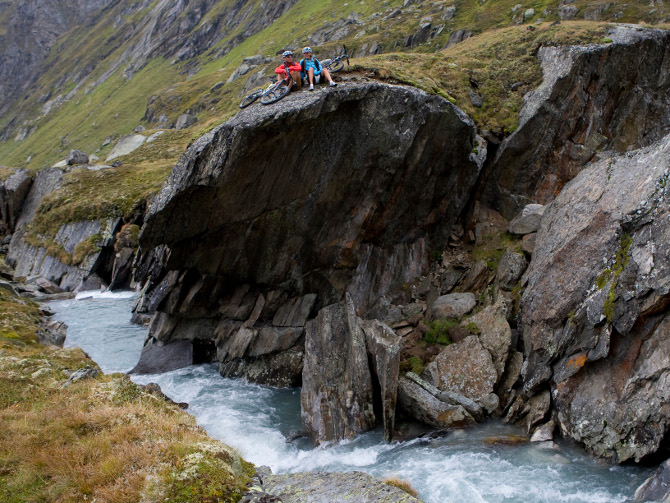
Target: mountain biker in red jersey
{"points": [[289, 66]]}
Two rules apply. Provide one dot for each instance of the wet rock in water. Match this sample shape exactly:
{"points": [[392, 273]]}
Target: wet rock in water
{"points": [[425, 407], [656, 487], [336, 395], [453, 305], [323, 487], [447, 396], [383, 347], [44, 285], [510, 440], [156, 359], [282, 369], [544, 432]]}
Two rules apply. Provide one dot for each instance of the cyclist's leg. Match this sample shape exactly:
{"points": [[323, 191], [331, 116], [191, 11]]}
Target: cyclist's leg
{"points": [[326, 74], [297, 80], [310, 73]]}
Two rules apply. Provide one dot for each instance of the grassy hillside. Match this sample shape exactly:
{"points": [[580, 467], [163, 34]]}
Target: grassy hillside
{"points": [[99, 79], [102, 439]]}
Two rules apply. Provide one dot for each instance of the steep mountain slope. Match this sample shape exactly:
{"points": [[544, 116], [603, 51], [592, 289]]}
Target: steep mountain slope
{"points": [[29, 30], [97, 78]]}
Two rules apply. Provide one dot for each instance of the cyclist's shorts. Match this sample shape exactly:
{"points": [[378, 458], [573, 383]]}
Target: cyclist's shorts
{"points": [[317, 78]]}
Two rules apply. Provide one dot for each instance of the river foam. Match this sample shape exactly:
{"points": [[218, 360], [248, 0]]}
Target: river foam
{"points": [[462, 466]]}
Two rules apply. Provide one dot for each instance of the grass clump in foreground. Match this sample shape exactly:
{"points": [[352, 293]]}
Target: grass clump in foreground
{"points": [[102, 439], [402, 484]]}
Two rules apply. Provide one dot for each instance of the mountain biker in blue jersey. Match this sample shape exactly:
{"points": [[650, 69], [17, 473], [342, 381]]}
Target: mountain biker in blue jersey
{"points": [[311, 69]]}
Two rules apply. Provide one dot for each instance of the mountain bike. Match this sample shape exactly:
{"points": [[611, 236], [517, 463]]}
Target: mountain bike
{"points": [[274, 92], [336, 64]]}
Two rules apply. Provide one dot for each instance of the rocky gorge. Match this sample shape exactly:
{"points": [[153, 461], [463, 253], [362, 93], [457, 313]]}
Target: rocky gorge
{"points": [[373, 246]]}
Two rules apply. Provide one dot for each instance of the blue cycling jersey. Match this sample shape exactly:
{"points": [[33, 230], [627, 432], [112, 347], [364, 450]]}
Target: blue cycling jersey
{"points": [[310, 63]]}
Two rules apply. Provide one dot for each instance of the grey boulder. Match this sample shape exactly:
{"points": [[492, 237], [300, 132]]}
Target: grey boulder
{"points": [[76, 157], [156, 359], [336, 395], [453, 305]]}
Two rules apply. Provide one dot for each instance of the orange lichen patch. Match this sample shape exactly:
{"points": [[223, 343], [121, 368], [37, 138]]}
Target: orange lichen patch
{"points": [[577, 361]]}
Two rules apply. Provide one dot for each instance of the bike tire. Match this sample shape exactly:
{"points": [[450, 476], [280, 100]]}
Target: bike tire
{"points": [[275, 95], [335, 67], [248, 100]]}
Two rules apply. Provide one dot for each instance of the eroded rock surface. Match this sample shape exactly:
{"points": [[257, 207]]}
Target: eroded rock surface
{"points": [[593, 98], [594, 312], [336, 397], [350, 208]]}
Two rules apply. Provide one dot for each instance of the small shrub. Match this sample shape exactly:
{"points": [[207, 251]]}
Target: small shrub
{"points": [[403, 485], [438, 332], [473, 328], [412, 364]]}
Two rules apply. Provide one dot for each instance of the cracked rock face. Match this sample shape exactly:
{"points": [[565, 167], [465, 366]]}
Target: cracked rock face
{"points": [[594, 311], [321, 194], [594, 98], [308, 190]]}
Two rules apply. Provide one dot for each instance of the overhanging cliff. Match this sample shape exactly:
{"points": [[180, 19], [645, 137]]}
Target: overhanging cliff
{"points": [[322, 194]]}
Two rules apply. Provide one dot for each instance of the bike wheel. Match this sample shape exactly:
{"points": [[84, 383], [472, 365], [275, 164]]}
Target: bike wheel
{"points": [[248, 100], [335, 67], [275, 95]]}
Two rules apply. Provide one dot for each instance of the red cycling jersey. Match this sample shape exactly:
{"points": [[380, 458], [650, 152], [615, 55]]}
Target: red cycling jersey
{"points": [[295, 67]]}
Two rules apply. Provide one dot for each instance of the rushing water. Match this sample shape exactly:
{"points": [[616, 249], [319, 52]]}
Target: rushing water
{"points": [[460, 467]]}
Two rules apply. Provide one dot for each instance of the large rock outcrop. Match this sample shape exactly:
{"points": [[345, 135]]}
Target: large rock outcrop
{"points": [[595, 323], [320, 194], [350, 375], [75, 253], [600, 97], [13, 192], [336, 397]]}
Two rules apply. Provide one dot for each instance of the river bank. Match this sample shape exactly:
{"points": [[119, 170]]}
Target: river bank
{"points": [[72, 433]]}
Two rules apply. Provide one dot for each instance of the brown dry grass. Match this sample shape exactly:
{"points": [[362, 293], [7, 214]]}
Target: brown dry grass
{"points": [[402, 484], [102, 439]]}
